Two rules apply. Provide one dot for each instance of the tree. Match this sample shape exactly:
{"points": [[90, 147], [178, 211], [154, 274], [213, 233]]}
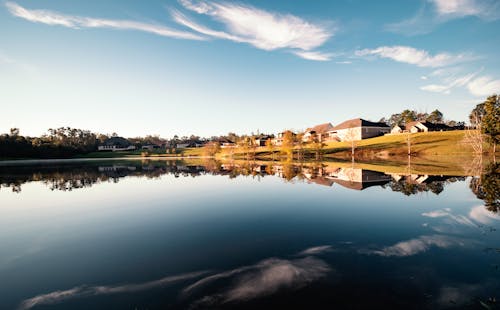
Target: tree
{"points": [[287, 144], [352, 136], [408, 116], [476, 115], [317, 145], [14, 132], [270, 146], [436, 117], [490, 123], [211, 148]]}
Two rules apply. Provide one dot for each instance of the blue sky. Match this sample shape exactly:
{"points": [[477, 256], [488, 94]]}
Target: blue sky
{"points": [[209, 67]]}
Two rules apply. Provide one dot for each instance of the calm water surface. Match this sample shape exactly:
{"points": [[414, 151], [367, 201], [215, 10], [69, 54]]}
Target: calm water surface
{"points": [[136, 235]]}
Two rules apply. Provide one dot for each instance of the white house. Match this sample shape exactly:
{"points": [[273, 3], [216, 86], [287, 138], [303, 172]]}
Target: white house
{"points": [[358, 129], [116, 144], [317, 133], [426, 126]]}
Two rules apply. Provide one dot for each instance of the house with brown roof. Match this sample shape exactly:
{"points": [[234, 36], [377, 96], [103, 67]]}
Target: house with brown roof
{"points": [[358, 129], [398, 129], [417, 126], [115, 144], [317, 133], [359, 179], [278, 141]]}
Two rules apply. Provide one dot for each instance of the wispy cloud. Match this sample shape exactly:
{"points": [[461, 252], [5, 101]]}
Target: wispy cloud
{"points": [[316, 250], [485, 9], [262, 29], [435, 12], [418, 245], [446, 213], [410, 55], [454, 77], [450, 83], [318, 56], [87, 291], [72, 21], [242, 23], [484, 86], [262, 279], [481, 215]]}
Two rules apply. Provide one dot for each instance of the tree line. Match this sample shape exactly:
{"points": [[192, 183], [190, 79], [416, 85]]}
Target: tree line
{"points": [[66, 141]]}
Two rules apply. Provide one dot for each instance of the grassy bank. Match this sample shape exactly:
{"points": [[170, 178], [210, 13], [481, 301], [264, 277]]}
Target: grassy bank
{"points": [[389, 147]]}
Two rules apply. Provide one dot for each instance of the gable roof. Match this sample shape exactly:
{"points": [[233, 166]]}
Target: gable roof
{"points": [[118, 141], [358, 122], [427, 124], [321, 128]]}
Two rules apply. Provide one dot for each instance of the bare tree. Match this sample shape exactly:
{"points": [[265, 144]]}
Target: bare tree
{"points": [[352, 137]]}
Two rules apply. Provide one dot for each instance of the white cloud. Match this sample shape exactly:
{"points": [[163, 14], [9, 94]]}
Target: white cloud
{"points": [[346, 62], [451, 82], [262, 279], [262, 29], [436, 88], [413, 56], [86, 291], [423, 77], [435, 12], [481, 215], [318, 56], [76, 22], [243, 23], [446, 213], [484, 86], [418, 245], [485, 9], [316, 250]]}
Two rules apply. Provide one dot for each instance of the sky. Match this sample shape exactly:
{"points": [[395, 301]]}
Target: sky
{"points": [[212, 67]]}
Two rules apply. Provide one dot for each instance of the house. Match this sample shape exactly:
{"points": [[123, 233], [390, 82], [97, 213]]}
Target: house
{"points": [[262, 140], [397, 129], [318, 133], [417, 126], [359, 179], [116, 144], [278, 141], [150, 147], [225, 143], [183, 145], [358, 129]]}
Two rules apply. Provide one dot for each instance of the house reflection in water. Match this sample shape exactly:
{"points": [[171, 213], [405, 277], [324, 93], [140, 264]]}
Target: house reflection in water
{"points": [[352, 178]]}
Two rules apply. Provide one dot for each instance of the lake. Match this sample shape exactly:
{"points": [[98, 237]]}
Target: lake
{"points": [[124, 234]]}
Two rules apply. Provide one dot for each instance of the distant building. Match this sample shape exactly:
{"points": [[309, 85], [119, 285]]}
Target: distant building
{"points": [[426, 126], [359, 179], [182, 145], [358, 129], [116, 144], [278, 141], [319, 133], [262, 140], [397, 129], [150, 147], [226, 143]]}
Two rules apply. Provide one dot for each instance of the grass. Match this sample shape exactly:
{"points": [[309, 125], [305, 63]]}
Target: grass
{"points": [[423, 143]]}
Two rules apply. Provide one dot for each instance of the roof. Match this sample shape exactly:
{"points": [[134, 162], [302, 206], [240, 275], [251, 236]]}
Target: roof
{"points": [[321, 128], [358, 122], [118, 141], [428, 125], [223, 140]]}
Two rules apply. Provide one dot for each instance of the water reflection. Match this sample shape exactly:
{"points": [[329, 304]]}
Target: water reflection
{"points": [[228, 287], [67, 177], [282, 234]]}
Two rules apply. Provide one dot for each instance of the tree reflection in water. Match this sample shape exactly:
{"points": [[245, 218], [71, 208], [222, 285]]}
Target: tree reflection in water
{"points": [[70, 176], [487, 187]]}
